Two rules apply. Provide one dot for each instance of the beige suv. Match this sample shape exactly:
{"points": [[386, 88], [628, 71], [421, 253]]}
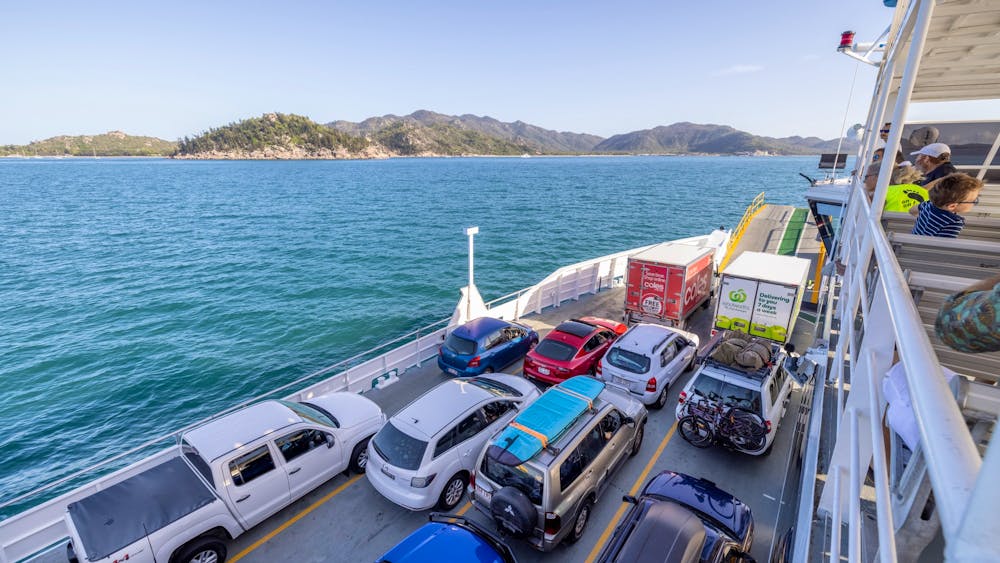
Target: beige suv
{"points": [[548, 498]]}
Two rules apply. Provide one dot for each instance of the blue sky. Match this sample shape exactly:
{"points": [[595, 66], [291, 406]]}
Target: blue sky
{"points": [[170, 69]]}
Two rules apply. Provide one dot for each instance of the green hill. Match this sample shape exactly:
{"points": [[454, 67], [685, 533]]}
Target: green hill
{"points": [[410, 139], [113, 143], [687, 138], [518, 133], [273, 135]]}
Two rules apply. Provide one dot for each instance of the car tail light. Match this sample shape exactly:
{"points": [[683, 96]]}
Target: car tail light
{"points": [[682, 397], [528, 361], [421, 482], [651, 385], [474, 362], [553, 523], [767, 426]]}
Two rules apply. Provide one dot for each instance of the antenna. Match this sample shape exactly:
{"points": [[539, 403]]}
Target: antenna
{"points": [[151, 551]]}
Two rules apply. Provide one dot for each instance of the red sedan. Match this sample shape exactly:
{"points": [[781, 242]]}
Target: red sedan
{"points": [[574, 347]]}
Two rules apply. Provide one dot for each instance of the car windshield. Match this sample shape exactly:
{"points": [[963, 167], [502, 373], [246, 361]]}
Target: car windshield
{"points": [[729, 394], [521, 477], [312, 413], [399, 448], [628, 361], [459, 345], [555, 350]]}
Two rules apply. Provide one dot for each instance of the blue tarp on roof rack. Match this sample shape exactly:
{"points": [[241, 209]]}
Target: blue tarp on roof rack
{"points": [[545, 420]]}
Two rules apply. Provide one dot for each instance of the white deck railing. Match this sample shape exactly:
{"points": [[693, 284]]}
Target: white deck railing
{"points": [[41, 528]]}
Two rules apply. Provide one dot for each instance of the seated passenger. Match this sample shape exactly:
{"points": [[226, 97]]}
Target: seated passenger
{"points": [[968, 320], [935, 162], [904, 193], [949, 196]]}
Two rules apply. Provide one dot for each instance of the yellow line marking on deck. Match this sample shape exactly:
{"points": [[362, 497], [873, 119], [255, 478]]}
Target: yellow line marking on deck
{"points": [[465, 509], [295, 519], [635, 489]]}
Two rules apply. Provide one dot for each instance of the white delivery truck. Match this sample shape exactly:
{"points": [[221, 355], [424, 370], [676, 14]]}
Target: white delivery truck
{"points": [[760, 294]]}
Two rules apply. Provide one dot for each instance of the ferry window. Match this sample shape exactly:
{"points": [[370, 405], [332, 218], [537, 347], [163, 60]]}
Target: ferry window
{"points": [[251, 465], [298, 443]]}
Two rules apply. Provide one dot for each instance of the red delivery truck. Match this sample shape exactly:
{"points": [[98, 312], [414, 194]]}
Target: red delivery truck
{"points": [[667, 283]]}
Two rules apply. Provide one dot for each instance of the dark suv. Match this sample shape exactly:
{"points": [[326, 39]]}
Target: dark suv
{"points": [[680, 518]]}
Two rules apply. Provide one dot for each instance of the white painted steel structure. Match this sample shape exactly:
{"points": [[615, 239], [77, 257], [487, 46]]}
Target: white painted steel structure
{"points": [[937, 51]]}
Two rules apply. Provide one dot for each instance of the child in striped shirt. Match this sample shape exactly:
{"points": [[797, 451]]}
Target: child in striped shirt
{"points": [[939, 216]]}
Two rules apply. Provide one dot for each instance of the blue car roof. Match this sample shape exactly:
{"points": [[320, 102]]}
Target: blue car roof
{"points": [[694, 492], [478, 328], [435, 542]]}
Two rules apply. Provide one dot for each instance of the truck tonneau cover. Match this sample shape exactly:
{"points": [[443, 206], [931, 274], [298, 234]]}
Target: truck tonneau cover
{"points": [[126, 512]]}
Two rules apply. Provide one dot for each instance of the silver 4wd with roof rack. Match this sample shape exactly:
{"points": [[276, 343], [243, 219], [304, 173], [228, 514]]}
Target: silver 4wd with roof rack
{"points": [[757, 382], [539, 477]]}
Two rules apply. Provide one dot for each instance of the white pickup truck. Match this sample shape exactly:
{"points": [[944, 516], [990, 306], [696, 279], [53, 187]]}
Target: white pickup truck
{"points": [[228, 475]]}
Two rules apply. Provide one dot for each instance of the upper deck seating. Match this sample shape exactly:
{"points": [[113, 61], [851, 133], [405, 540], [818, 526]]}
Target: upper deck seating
{"points": [[929, 291], [976, 227], [975, 259]]}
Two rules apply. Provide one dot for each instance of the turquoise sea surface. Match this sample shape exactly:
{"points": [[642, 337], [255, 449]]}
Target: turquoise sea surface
{"points": [[140, 295]]}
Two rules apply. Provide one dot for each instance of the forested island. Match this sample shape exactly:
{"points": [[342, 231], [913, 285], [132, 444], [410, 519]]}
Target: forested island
{"points": [[422, 133]]}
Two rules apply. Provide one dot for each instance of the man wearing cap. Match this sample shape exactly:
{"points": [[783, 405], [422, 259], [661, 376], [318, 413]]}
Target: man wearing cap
{"points": [[934, 161]]}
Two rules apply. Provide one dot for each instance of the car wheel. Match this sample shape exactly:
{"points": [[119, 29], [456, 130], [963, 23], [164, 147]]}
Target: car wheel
{"points": [[637, 442], [452, 493], [359, 456], [580, 522], [201, 550], [661, 399]]}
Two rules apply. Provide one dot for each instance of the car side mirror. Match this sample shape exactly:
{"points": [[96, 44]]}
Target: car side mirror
{"points": [[628, 420], [329, 440], [630, 499]]}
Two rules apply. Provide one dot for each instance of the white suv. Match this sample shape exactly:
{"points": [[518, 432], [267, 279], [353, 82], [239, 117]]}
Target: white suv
{"points": [[647, 359], [423, 456], [764, 391]]}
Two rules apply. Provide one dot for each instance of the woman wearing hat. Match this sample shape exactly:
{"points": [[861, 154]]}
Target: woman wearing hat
{"points": [[935, 162]]}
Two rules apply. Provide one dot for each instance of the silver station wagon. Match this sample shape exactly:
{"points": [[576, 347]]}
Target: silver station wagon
{"points": [[539, 477]]}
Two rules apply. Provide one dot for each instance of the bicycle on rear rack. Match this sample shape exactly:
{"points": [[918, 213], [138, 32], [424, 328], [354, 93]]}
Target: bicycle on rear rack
{"points": [[706, 422]]}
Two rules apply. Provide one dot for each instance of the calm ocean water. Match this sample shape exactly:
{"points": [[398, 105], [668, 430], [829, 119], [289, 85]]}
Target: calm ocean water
{"points": [[137, 296]]}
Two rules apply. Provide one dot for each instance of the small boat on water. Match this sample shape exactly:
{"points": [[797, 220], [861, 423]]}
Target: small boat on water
{"points": [[813, 498]]}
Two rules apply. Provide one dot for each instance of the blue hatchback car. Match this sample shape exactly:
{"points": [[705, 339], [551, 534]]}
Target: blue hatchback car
{"points": [[484, 345], [680, 518], [449, 538]]}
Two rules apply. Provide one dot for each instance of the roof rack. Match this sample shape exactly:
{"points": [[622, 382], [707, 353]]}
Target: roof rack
{"points": [[545, 420]]}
